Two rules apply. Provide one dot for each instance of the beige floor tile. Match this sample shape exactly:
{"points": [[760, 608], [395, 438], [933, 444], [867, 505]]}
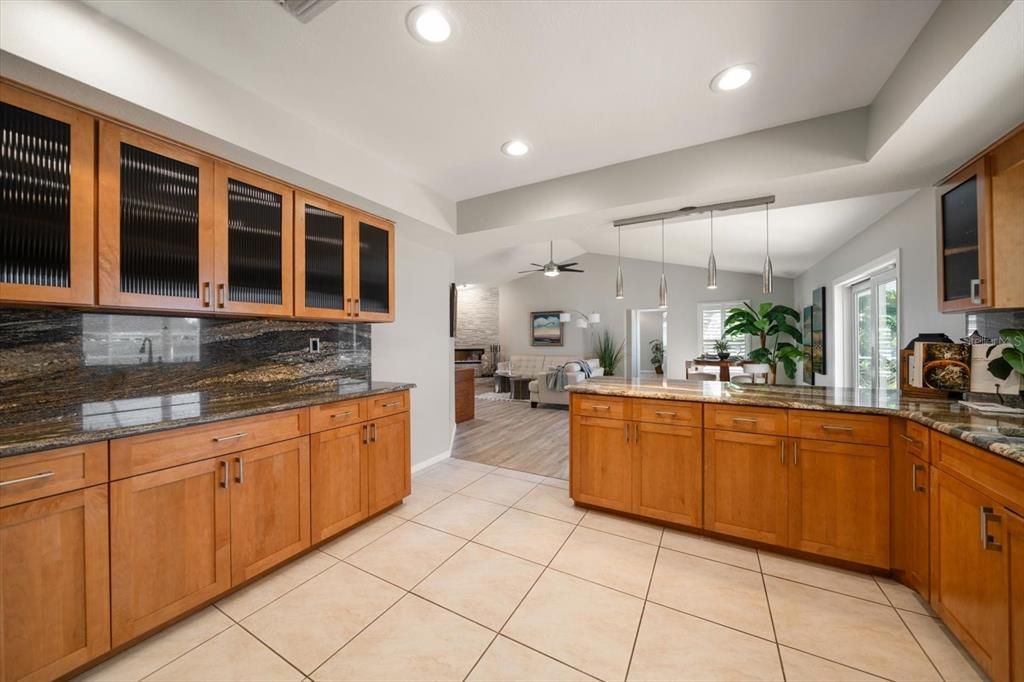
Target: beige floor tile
{"points": [[854, 632], [461, 515], [232, 655], [313, 621], [709, 548], [407, 554], [250, 599], [620, 525], [522, 475], [448, 476], [469, 464], [526, 535], [611, 560], [902, 597], [499, 489], [579, 623], [673, 646], [551, 501], [508, 661], [940, 646], [719, 592], [357, 538], [801, 667], [556, 482], [480, 583], [160, 649], [415, 640], [825, 577], [423, 498]]}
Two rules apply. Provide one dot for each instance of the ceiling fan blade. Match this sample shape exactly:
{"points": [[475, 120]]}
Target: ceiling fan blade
{"points": [[569, 270], [568, 265], [537, 265], [521, 272]]}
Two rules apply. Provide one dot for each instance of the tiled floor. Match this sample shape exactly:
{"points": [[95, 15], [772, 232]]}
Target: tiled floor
{"points": [[487, 574]]}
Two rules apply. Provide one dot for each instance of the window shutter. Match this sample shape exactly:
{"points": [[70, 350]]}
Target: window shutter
{"points": [[712, 325]]}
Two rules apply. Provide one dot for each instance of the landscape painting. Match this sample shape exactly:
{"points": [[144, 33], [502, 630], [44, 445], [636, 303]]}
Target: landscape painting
{"points": [[808, 332], [545, 329], [818, 340]]}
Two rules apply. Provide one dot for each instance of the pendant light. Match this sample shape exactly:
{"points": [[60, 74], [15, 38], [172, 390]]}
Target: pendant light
{"points": [[767, 285], [618, 276], [712, 266], [663, 286]]}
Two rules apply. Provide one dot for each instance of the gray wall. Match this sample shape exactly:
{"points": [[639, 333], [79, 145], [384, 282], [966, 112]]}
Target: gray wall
{"points": [[910, 228], [594, 290], [477, 325]]}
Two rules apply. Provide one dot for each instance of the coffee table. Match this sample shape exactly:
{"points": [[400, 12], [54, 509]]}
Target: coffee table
{"points": [[520, 387]]}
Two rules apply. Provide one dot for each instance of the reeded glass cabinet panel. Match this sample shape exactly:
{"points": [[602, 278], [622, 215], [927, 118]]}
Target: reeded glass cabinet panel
{"points": [[46, 200], [964, 236], [253, 243], [322, 271], [156, 210], [376, 269]]}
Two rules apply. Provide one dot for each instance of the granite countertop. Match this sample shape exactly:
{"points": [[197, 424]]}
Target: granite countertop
{"points": [[30, 431], [1001, 435]]}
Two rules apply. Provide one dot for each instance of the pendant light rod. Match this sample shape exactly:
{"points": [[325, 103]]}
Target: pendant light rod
{"points": [[690, 210]]}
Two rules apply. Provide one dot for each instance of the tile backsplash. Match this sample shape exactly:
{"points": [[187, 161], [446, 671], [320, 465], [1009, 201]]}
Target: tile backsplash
{"points": [[53, 357]]}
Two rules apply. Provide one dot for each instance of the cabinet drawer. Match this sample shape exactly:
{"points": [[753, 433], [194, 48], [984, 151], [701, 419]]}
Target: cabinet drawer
{"points": [[29, 477], [389, 403], [916, 439], [150, 452], [840, 428], [984, 470], [609, 407], [333, 415], [766, 420], [667, 412]]}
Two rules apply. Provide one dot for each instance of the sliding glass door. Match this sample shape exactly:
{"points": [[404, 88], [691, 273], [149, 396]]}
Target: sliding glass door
{"points": [[874, 330]]}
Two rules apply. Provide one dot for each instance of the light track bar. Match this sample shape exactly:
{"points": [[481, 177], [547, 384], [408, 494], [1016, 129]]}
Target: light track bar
{"points": [[689, 210]]}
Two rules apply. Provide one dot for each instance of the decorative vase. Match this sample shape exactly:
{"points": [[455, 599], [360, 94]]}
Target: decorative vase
{"points": [[723, 356], [658, 370]]}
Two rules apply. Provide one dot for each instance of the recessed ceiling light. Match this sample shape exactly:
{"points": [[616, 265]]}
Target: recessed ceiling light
{"points": [[515, 148], [428, 24], [733, 78]]}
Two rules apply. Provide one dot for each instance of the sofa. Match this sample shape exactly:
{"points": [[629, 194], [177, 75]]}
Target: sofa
{"points": [[538, 366]]}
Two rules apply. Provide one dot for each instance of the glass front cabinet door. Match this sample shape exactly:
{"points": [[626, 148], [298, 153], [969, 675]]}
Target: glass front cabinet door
{"points": [[965, 231], [375, 269], [47, 194], [323, 278], [156, 236], [253, 243]]}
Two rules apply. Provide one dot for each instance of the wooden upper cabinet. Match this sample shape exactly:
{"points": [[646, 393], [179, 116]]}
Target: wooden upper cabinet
{"points": [[981, 230], [253, 243], [374, 269], [839, 501], [324, 278], [54, 585], [156, 236], [48, 233]]}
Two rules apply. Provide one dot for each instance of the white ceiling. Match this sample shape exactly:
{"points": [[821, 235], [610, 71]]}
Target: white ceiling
{"points": [[586, 83]]}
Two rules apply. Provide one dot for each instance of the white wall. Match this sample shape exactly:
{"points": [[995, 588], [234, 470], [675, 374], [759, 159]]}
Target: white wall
{"points": [[417, 348], [594, 290], [911, 228]]}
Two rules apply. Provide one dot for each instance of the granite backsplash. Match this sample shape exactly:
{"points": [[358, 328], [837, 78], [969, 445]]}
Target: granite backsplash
{"points": [[53, 358]]}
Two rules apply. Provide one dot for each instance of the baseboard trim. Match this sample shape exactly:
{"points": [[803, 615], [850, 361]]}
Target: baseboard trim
{"points": [[440, 457]]}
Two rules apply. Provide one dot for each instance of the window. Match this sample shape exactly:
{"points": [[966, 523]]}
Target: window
{"points": [[873, 326], [712, 321]]}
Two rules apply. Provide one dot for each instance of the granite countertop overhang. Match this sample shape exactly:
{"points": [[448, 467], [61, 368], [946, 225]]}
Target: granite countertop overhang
{"points": [[26, 430], [1002, 436]]}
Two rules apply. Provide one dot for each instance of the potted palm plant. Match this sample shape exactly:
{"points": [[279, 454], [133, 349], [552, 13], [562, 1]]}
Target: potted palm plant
{"points": [[657, 355], [608, 354], [768, 323]]}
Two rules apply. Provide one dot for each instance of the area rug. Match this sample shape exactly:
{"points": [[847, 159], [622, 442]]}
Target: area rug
{"points": [[507, 397]]}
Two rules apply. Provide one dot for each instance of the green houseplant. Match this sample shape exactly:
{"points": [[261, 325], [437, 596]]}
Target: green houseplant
{"points": [[608, 354], [1012, 357], [722, 348], [768, 323], [657, 355]]}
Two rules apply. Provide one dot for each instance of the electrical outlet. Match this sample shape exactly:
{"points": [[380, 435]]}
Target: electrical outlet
{"points": [[314, 345]]}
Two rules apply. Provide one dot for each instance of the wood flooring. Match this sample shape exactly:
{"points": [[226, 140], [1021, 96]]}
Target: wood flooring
{"points": [[512, 435]]}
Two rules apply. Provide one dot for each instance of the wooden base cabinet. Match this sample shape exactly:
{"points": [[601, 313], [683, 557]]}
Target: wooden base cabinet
{"points": [[602, 465], [1015, 558], [910, 495], [337, 480], [54, 584], [389, 470], [667, 473]]}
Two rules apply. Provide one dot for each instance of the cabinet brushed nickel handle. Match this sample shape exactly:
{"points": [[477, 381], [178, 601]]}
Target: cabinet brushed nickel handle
{"points": [[220, 295], [988, 541], [600, 407], [24, 479], [830, 427], [914, 487], [636, 433], [912, 441], [744, 420], [223, 473], [234, 436], [626, 427], [373, 432], [782, 451], [976, 291], [366, 434], [796, 452], [358, 307], [348, 306], [240, 476], [664, 413], [206, 294], [339, 415], [393, 403]]}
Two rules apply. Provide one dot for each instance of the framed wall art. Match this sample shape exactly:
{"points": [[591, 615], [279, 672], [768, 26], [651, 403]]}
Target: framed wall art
{"points": [[546, 328]]}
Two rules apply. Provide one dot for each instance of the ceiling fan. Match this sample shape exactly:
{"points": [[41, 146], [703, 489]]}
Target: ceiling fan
{"points": [[551, 268]]}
